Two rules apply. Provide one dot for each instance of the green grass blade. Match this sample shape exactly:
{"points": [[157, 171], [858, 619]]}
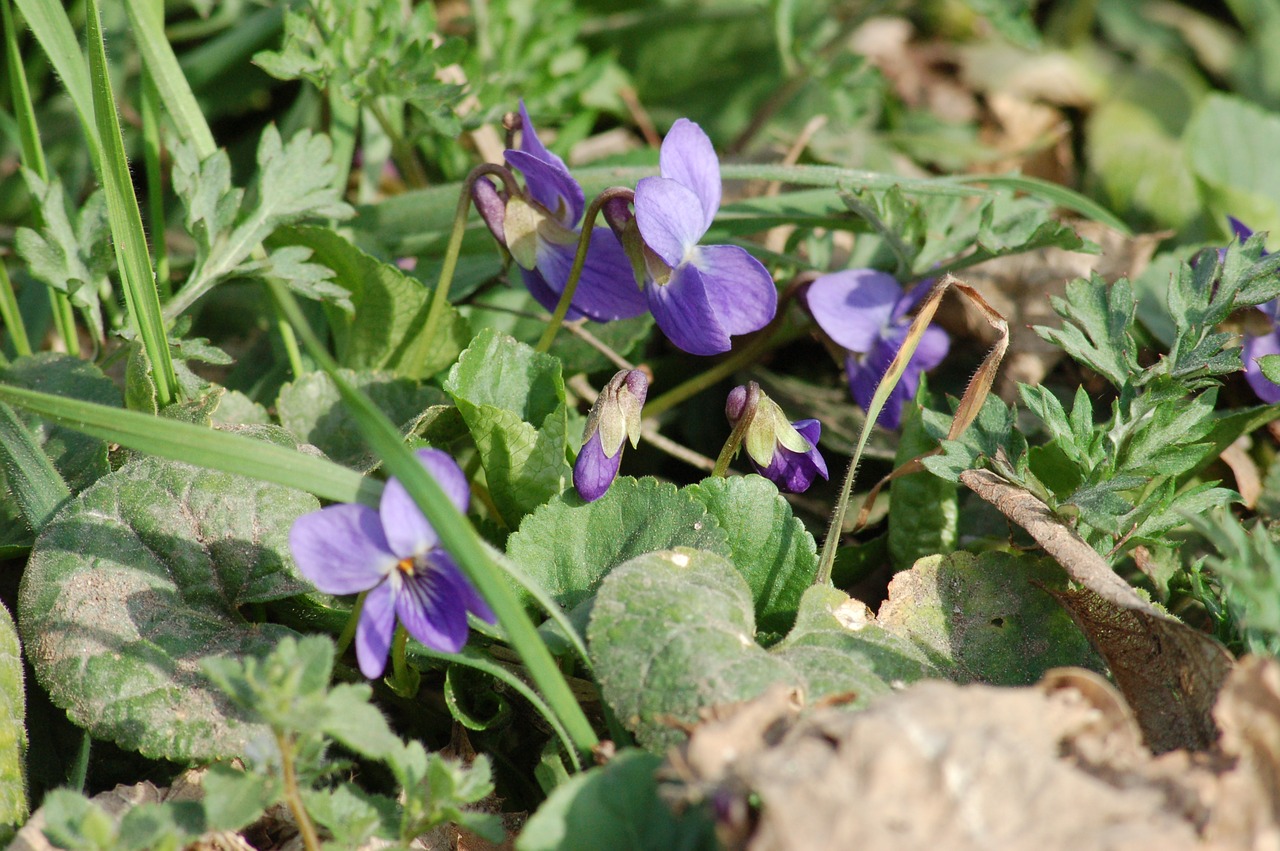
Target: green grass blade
{"points": [[456, 534], [132, 255], [49, 23], [199, 445], [35, 485], [1052, 192], [10, 314], [162, 64]]}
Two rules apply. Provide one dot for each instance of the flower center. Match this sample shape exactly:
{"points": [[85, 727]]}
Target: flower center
{"points": [[407, 566]]}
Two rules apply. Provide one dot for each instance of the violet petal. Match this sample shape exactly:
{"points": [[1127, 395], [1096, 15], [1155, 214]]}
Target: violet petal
{"points": [[407, 530], [551, 185], [432, 607], [688, 157], [670, 218], [740, 290], [341, 548], [593, 471], [373, 633], [607, 289], [853, 306], [474, 602], [684, 313], [794, 472]]}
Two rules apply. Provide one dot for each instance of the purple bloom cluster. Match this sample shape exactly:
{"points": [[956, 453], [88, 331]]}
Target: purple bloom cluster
{"points": [[865, 311], [395, 555], [699, 295]]}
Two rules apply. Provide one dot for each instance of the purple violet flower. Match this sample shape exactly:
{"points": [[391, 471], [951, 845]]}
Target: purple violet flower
{"points": [[1260, 345], [699, 295], [395, 555], [865, 311], [783, 452], [614, 418], [540, 229]]}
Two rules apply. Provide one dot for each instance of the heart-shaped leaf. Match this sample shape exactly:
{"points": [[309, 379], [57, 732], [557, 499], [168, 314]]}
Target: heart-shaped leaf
{"points": [[136, 580]]}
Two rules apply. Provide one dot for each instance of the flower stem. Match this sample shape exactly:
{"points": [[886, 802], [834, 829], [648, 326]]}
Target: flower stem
{"points": [[440, 297], [404, 680], [349, 631], [734, 442], [579, 261], [293, 796]]}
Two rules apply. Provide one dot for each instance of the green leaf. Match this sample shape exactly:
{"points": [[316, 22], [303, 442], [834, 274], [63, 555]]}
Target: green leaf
{"points": [[294, 181], [986, 618], [1097, 322], [312, 409], [671, 633], [138, 578], [1230, 145], [13, 732], [235, 798], [567, 546], [767, 544], [389, 309], [351, 815], [1270, 366], [31, 480], [512, 399], [615, 806], [924, 510]]}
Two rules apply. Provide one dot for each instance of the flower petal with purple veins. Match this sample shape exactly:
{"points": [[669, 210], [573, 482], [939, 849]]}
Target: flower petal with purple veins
{"points": [[407, 530], [373, 633], [670, 218], [685, 314], [431, 605], [1254, 348], [606, 290], [342, 548], [688, 157], [854, 306], [739, 288], [471, 599], [593, 471]]}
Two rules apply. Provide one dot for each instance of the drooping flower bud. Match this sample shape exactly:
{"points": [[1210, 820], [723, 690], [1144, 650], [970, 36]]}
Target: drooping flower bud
{"points": [[786, 453], [614, 418]]}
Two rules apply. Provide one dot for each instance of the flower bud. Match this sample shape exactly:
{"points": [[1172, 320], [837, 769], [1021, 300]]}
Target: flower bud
{"points": [[614, 418], [786, 453]]}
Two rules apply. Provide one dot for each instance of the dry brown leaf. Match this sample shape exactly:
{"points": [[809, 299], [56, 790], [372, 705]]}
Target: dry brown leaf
{"points": [[1248, 799], [936, 766], [1169, 673]]}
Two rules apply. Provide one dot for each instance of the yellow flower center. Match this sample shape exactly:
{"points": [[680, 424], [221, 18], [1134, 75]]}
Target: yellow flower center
{"points": [[406, 566]]}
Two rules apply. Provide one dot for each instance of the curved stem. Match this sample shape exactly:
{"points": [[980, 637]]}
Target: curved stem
{"points": [[293, 796], [441, 296], [734, 442], [349, 630], [579, 261]]}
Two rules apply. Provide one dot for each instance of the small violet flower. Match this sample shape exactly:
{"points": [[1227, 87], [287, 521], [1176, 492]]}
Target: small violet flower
{"points": [[614, 417], [1260, 345], [699, 295], [865, 311], [395, 555], [540, 229], [783, 452]]}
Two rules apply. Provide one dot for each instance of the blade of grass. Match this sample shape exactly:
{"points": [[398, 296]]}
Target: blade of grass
{"points": [[49, 23], [36, 486], [1052, 192], [10, 314], [199, 445], [146, 17], [33, 158], [132, 255], [456, 533]]}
